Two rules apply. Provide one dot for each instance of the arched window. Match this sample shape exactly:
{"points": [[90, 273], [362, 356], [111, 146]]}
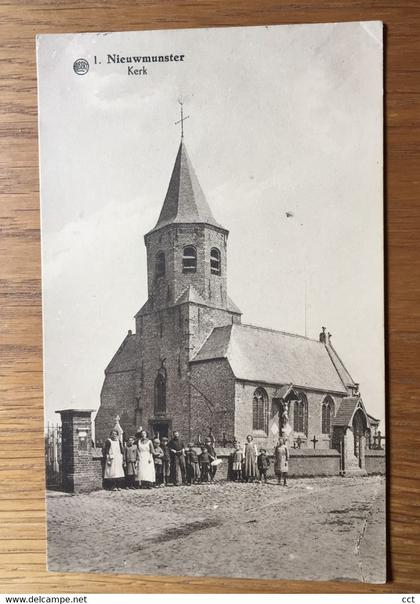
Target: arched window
{"points": [[189, 259], [215, 263], [260, 410], [300, 414], [160, 393], [160, 265], [327, 413]]}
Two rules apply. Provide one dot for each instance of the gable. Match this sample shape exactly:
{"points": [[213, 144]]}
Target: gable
{"points": [[347, 409], [127, 356]]}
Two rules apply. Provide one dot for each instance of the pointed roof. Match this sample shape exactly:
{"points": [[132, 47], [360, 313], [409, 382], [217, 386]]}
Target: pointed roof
{"points": [[347, 409], [185, 202]]}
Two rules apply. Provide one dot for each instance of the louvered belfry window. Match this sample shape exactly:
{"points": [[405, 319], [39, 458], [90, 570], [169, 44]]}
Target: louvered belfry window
{"points": [[260, 410], [215, 263], [189, 259], [160, 265]]}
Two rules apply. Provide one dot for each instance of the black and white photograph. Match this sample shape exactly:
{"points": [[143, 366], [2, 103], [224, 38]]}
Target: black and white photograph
{"points": [[213, 301]]}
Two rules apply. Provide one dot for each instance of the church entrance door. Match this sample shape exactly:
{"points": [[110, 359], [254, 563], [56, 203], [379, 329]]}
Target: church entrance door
{"points": [[159, 429], [359, 426]]}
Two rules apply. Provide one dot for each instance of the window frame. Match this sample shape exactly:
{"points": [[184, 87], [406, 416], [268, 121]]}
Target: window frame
{"points": [[215, 257], [160, 386], [192, 257], [159, 264], [300, 414], [260, 418], [327, 406]]}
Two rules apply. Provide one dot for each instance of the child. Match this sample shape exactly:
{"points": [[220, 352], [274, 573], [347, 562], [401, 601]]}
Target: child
{"points": [[204, 461], [166, 461], [158, 459], [192, 465], [281, 455], [263, 463], [237, 460], [209, 442], [130, 457]]}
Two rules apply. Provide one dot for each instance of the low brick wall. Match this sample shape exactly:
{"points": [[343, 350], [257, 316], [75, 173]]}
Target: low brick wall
{"points": [[303, 462], [375, 460], [314, 462]]}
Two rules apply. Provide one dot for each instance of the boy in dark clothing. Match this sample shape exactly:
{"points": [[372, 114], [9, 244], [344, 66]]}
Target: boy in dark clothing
{"points": [[263, 463], [158, 459], [204, 461], [210, 448], [130, 458], [166, 461], [192, 466]]}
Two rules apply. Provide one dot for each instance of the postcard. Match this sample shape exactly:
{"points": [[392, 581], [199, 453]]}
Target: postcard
{"points": [[213, 294]]}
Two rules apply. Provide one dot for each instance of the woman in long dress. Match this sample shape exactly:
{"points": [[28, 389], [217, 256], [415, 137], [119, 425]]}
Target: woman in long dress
{"points": [[145, 465], [281, 464], [114, 460], [250, 454]]}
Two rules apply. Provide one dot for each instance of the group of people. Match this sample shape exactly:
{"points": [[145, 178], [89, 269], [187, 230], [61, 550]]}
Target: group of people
{"points": [[144, 463], [249, 465]]}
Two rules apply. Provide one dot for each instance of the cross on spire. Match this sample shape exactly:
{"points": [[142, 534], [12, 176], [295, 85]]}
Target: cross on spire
{"points": [[182, 120]]}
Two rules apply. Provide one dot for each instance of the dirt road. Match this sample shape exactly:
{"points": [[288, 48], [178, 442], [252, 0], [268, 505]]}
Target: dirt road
{"points": [[325, 528]]}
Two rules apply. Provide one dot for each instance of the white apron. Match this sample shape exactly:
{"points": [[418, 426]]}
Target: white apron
{"points": [[114, 461], [146, 466]]}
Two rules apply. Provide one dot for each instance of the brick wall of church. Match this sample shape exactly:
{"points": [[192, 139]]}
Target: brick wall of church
{"points": [[171, 336], [212, 399], [165, 290], [117, 398], [164, 343], [315, 400], [244, 394]]}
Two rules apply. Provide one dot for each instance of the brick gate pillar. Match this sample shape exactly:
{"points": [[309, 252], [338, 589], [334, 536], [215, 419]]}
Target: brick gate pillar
{"points": [[79, 472]]}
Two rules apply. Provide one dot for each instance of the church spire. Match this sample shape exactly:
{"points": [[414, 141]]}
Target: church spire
{"points": [[185, 202]]}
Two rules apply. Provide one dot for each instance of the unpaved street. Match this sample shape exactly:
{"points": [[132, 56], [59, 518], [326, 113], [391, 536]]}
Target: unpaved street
{"points": [[321, 528]]}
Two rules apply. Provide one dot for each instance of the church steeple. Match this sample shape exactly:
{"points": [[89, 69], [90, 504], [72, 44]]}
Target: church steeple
{"points": [[185, 202], [187, 248]]}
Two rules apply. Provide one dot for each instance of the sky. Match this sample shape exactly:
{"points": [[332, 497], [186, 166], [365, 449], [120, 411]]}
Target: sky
{"points": [[283, 120]]}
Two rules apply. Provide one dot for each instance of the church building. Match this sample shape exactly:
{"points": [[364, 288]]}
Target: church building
{"points": [[193, 366]]}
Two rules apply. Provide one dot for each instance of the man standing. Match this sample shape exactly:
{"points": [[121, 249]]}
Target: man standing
{"points": [[177, 450]]}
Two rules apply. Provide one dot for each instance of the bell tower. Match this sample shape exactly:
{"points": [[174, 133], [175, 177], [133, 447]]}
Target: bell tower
{"points": [[149, 378], [187, 249]]}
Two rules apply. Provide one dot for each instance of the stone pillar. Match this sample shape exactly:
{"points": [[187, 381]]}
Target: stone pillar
{"points": [[79, 472], [362, 452]]}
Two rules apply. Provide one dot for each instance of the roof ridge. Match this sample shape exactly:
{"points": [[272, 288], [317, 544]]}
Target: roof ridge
{"points": [[285, 333]]}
